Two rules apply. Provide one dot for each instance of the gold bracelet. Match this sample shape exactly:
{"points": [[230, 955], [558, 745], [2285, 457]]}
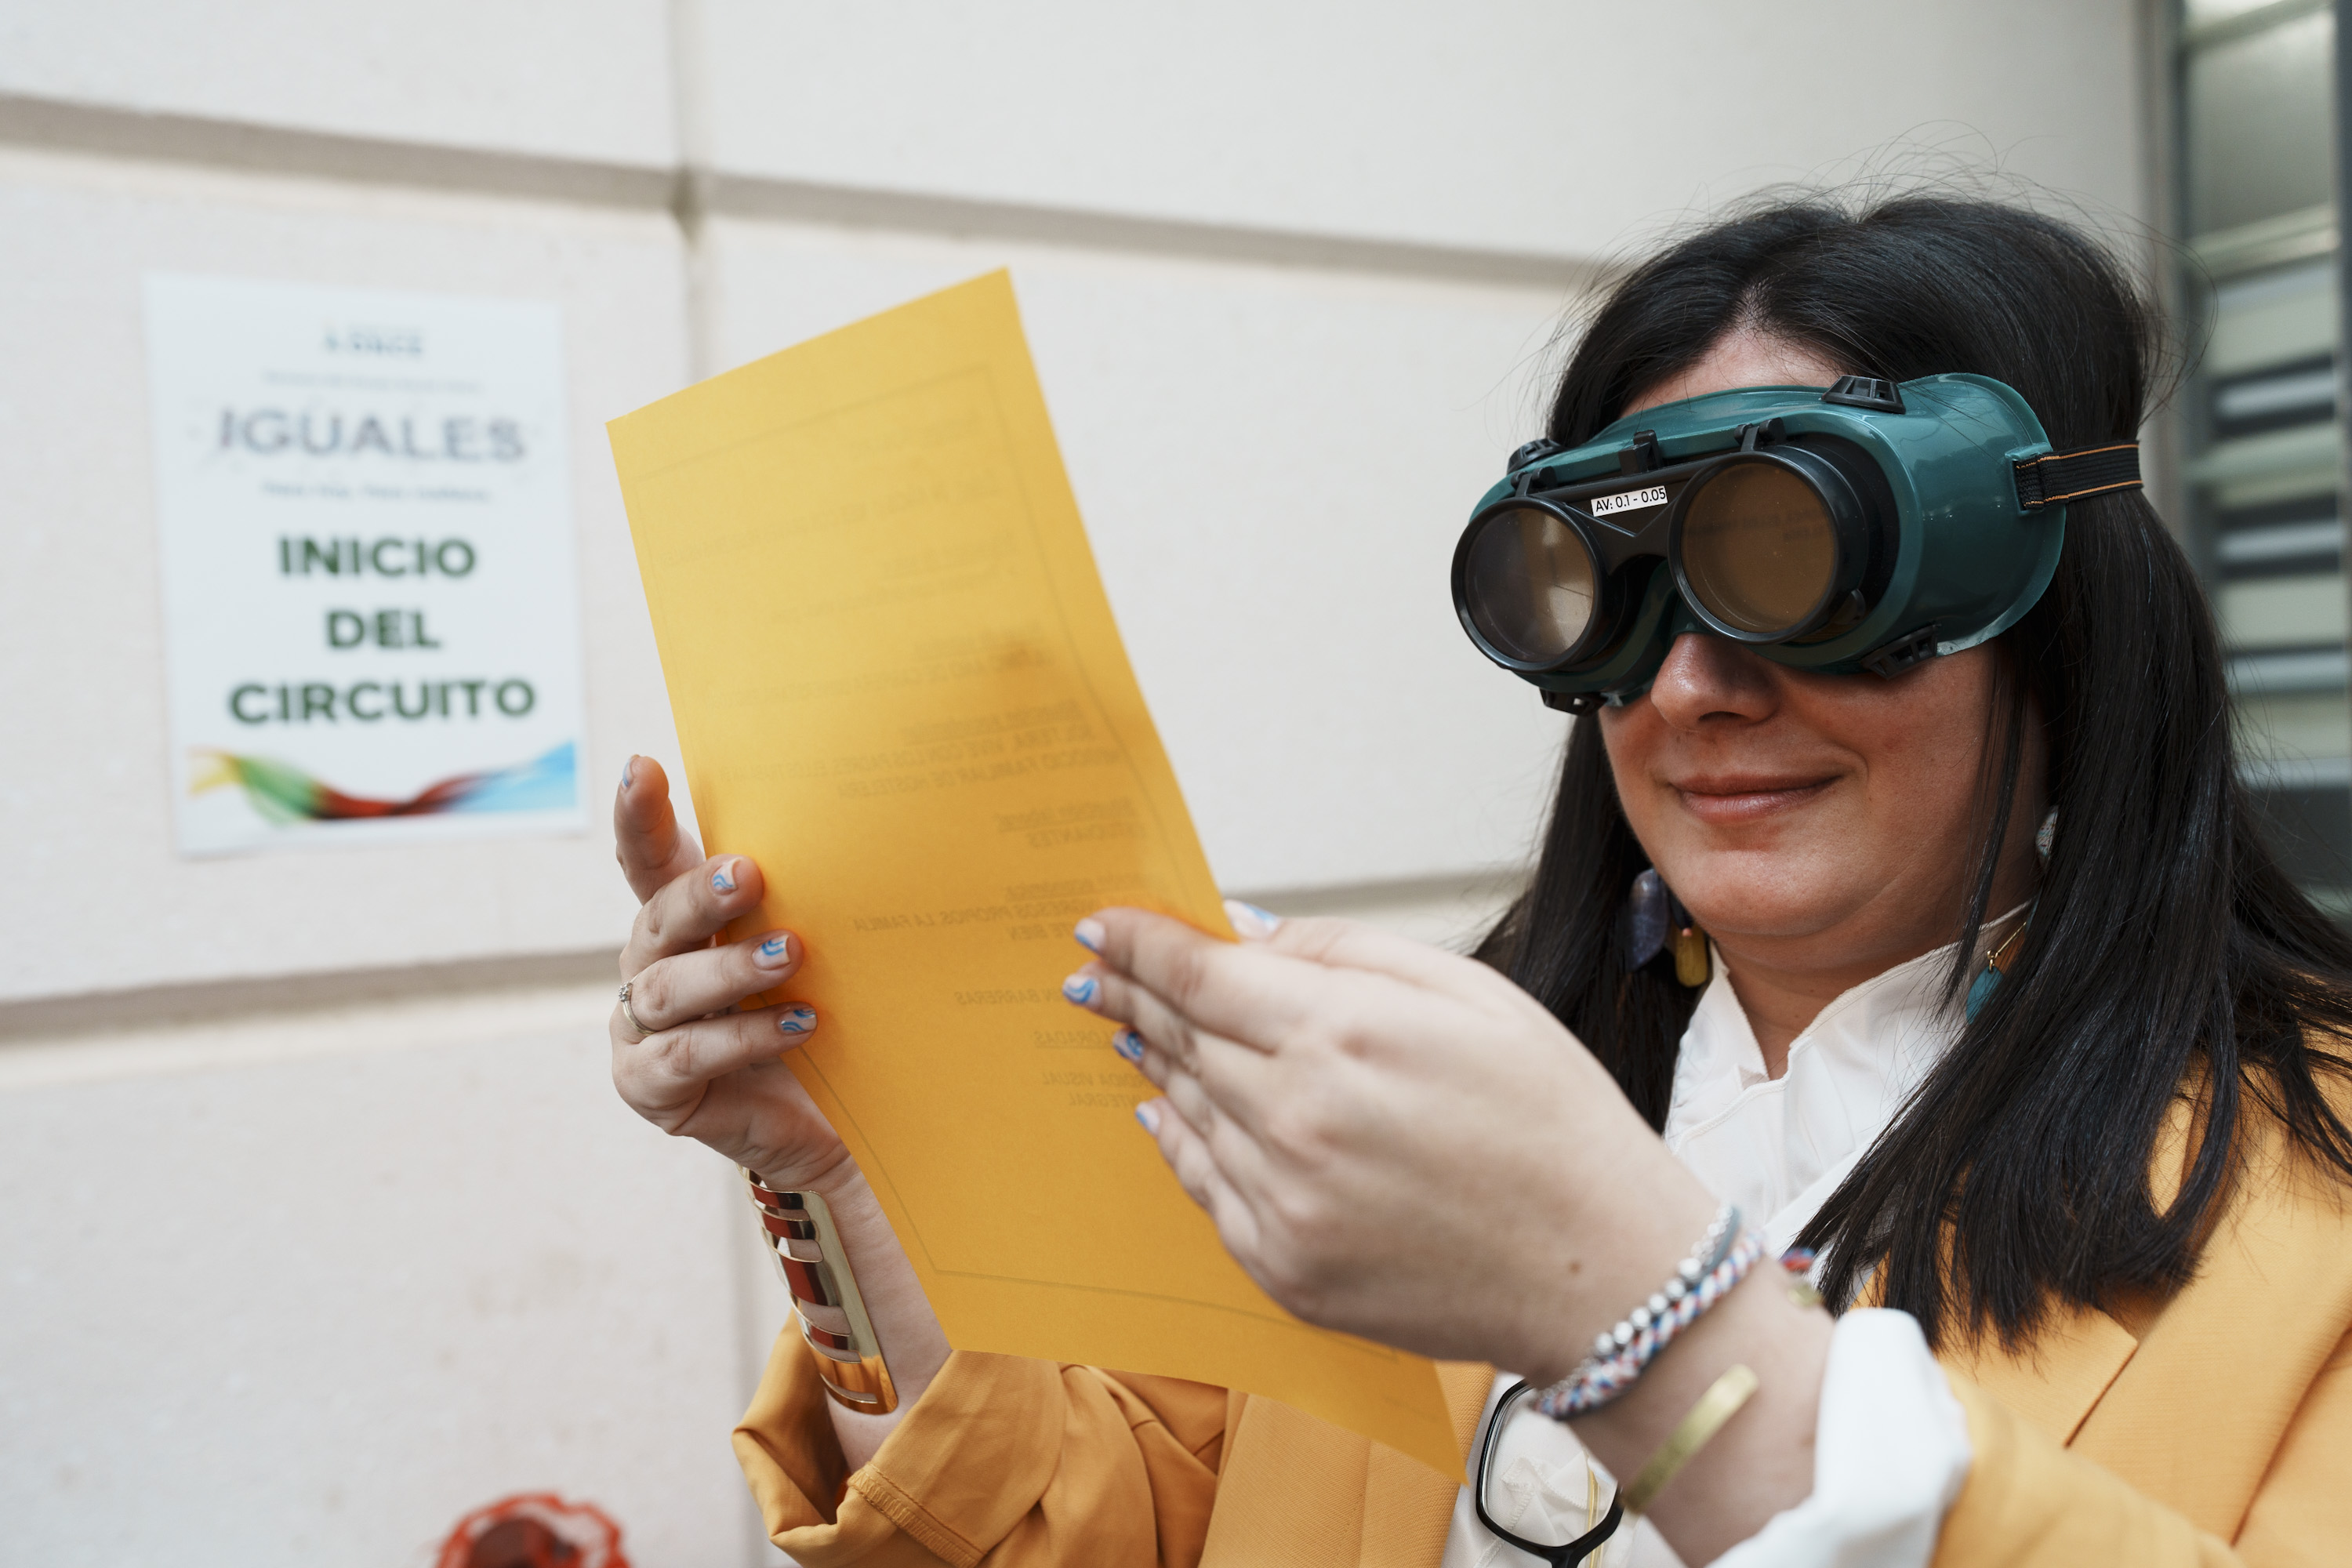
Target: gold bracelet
{"points": [[801, 1236], [1718, 1405]]}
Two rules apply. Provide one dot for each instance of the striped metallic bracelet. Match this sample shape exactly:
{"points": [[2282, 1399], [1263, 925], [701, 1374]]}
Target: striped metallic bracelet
{"points": [[1722, 1258], [800, 1234]]}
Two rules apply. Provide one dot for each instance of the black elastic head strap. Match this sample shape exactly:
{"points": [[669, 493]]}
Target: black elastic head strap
{"points": [[2071, 476]]}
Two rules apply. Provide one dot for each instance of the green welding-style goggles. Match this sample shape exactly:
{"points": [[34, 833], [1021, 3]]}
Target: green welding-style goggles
{"points": [[1869, 527]]}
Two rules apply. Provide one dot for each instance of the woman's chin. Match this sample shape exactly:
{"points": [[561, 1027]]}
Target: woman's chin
{"points": [[1767, 907]]}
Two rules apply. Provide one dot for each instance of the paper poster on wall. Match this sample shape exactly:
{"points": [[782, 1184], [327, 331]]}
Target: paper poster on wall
{"points": [[371, 621]]}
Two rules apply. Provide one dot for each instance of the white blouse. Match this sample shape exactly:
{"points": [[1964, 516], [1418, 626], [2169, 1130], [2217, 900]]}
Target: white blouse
{"points": [[1892, 1444]]}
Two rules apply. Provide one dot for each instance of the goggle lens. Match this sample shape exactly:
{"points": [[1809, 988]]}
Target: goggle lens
{"points": [[1529, 585], [1760, 548]]}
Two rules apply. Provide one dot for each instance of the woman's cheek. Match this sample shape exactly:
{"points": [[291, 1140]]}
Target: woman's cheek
{"points": [[1631, 737]]}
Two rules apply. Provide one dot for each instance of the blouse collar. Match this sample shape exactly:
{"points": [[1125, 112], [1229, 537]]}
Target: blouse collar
{"points": [[1779, 1147]]}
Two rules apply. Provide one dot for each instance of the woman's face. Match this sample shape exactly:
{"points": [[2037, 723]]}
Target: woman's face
{"points": [[1811, 822]]}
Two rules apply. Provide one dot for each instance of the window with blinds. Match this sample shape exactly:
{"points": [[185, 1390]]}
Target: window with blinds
{"points": [[2257, 127]]}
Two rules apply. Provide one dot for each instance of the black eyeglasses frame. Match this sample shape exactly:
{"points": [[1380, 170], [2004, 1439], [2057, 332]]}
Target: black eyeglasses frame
{"points": [[1567, 1556]]}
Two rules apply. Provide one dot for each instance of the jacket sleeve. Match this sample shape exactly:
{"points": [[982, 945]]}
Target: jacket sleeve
{"points": [[2031, 1503], [1003, 1461]]}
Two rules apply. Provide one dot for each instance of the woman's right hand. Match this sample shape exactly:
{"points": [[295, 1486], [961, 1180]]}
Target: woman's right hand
{"points": [[707, 1072], [703, 1070]]}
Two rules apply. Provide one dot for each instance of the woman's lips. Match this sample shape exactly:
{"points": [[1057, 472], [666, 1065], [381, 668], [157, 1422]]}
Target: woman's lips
{"points": [[1745, 799]]}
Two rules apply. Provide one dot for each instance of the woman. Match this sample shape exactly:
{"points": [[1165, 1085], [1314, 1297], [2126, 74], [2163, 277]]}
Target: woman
{"points": [[2098, 1209]]}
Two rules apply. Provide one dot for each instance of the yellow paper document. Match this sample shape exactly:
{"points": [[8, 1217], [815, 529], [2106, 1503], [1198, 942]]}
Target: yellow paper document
{"points": [[898, 689]]}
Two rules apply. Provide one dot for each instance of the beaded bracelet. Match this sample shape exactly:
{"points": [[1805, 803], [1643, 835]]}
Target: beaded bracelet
{"points": [[1609, 1372], [1721, 1232]]}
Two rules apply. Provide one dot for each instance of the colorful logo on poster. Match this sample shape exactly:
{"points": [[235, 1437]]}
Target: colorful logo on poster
{"points": [[284, 793]]}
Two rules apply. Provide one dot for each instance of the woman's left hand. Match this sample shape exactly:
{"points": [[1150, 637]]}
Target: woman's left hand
{"points": [[1394, 1140], [1402, 1143]]}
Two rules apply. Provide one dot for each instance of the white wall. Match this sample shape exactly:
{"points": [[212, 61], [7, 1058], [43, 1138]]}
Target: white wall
{"points": [[82, 631], [306, 1306], [1539, 127], [565, 78], [321, 1223]]}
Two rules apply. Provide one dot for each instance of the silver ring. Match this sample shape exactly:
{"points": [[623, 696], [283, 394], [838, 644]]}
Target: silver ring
{"points": [[631, 1018]]}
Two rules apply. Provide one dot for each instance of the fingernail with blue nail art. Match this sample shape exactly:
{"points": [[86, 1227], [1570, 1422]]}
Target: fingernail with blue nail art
{"points": [[1128, 1044], [797, 1020], [628, 771], [773, 953], [721, 880], [1148, 1114], [1090, 932], [1081, 989], [1249, 920]]}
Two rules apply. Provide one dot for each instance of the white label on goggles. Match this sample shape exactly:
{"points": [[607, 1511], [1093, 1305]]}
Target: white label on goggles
{"points": [[1628, 500]]}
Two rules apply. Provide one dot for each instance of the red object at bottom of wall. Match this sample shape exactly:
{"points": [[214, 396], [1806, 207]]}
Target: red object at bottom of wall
{"points": [[534, 1530]]}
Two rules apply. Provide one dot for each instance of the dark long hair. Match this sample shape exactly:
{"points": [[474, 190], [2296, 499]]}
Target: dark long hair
{"points": [[2165, 938]]}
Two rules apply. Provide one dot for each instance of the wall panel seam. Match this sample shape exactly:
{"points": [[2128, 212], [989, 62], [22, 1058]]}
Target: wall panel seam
{"points": [[202, 1003], [53, 1019], [690, 194]]}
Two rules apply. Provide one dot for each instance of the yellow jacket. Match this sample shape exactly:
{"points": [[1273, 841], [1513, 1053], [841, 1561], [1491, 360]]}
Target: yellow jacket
{"points": [[2214, 1428]]}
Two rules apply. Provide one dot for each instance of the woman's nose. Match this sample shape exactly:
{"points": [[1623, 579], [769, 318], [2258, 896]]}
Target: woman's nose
{"points": [[1708, 677]]}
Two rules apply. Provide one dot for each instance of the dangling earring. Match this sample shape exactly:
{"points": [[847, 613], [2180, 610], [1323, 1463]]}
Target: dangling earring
{"points": [[1651, 913], [1980, 990], [1692, 965], [1645, 920]]}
